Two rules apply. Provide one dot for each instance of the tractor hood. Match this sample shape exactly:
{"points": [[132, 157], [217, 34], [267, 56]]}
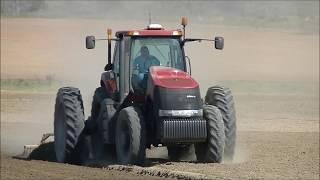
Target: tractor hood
{"points": [[168, 77]]}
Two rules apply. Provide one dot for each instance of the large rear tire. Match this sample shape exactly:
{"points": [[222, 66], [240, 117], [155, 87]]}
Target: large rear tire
{"points": [[103, 131], [68, 123], [130, 136], [212, 150], [101, 112], [222, 98], [96, 135], [99, 95]]}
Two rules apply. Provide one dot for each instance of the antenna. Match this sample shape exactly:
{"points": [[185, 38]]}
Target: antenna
{"points": [[184, 22], [149, 17]]}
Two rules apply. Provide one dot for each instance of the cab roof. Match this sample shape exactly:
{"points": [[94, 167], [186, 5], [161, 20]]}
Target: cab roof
{"points": [[151, 30]]}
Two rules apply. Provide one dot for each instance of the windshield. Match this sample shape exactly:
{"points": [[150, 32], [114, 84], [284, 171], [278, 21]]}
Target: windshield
{"points": [[153, 51], [159, 51]]}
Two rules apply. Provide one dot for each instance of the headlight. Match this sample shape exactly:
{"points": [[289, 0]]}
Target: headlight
{"points": [[181, 113]]}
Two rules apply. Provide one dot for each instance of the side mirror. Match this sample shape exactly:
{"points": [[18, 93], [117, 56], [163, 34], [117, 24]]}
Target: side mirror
{"points": [[90, 42], [218, 43]]}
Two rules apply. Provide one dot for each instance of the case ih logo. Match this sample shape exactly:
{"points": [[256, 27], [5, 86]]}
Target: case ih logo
{"points": [[190, 96]]}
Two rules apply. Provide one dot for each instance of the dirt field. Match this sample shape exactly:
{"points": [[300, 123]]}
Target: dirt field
{"points": [[273, 75]]}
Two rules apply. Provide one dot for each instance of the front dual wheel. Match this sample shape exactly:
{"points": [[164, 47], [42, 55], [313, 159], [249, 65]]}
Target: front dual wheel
{"points": [[130, 136], [213, 149], [222, 98]]}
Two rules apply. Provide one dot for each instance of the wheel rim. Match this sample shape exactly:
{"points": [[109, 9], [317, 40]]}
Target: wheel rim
{"points": [[60, 135]]}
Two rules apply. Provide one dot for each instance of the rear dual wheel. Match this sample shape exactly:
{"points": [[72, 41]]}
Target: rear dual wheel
{"points": [[68, 125], [98, 115]]}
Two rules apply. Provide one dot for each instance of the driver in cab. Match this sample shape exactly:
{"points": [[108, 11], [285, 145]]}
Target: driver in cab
{"points": [[142, 64], [145, 60]]}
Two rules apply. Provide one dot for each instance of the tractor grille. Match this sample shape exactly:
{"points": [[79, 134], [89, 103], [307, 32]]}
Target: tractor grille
{"points": [[184, 130], [179, 99]]}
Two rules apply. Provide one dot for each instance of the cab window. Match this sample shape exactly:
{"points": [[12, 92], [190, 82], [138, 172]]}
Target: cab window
{"points": [[116, 58], [116, 62]]}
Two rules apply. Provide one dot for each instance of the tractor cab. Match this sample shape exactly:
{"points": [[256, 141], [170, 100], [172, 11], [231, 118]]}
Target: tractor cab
{"points": [[136, 51], [150, 47]]}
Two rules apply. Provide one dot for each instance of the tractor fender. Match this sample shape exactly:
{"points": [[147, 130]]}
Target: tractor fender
{"points": [[108, 81]]}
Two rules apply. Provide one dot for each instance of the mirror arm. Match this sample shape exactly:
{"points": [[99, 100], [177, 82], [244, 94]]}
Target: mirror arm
{"points": [[192, 40], [107, 39]]}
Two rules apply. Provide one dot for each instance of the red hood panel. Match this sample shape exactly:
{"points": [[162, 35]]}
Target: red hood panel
{"points": [[171, 78]]}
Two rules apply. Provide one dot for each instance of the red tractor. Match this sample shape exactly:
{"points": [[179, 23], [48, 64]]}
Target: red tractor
{"points": [[146, 98]]}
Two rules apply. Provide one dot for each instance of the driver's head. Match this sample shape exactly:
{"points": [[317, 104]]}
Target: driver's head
{"points": [[144, 51]]}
